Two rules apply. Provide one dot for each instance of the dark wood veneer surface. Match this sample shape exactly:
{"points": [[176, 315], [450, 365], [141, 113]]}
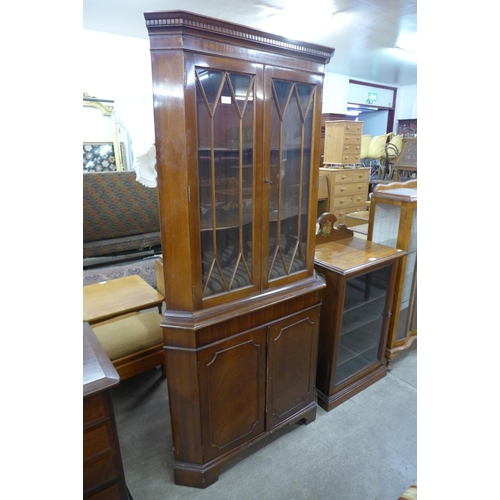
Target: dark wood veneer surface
{"points": [[103, 475], [240, 362]]}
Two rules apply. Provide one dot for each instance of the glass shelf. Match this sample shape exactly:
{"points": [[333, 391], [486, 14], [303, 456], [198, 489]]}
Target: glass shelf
{"points": [[362, 323]]}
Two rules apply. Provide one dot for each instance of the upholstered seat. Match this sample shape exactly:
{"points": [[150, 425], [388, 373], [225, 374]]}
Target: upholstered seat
{"points": [[133, 344]]}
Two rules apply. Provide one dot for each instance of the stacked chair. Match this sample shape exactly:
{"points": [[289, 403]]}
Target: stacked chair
{"points": [[376, 152]]}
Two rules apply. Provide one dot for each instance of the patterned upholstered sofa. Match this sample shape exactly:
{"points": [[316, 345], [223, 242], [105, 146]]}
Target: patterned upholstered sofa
{"points": [[120, 215]]}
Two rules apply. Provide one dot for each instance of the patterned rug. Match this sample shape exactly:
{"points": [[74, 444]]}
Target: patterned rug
{"points": [[145, 268]]}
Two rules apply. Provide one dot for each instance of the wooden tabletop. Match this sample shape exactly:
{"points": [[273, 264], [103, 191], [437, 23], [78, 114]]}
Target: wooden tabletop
{"points": [[352, 254], [98, 371], [112, 298]]}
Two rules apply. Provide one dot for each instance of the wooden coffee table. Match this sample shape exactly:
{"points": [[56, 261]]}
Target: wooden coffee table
{"points": [[112, 298]]}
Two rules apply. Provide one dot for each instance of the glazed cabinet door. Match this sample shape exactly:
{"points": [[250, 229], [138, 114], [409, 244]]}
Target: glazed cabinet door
{"points": [[232, 381], [291, 145], [363, 323], [228, 158], [292, 356]]}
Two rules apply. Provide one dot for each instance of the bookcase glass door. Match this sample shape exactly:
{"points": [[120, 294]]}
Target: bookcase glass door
{"points": [[386, 231], [225, 114], [362, 323], [292, 110]]}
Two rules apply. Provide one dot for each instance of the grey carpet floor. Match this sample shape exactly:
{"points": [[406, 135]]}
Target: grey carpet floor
{"points": [[365, 449]]}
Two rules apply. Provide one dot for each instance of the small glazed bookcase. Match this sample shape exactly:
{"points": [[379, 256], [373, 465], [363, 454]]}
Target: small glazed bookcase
{"points": [[360, 277], [393, 222]]}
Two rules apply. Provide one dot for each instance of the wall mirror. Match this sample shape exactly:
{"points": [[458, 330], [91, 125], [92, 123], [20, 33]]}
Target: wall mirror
{"points": [[104, 141]]}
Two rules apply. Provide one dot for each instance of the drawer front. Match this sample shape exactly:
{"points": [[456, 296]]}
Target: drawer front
{"points": [[97, 441], [342, 176], [350, 175], [350, 158], [95, 409], [359, 199], [351, 149], [344, 201], [344, 189], [111, 493], [352, 139], [355, 128], [361, 175], [99, 473], [341, 213]]}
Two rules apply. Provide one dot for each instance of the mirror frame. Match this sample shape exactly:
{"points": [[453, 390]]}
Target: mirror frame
{"points": [[106, 107]]}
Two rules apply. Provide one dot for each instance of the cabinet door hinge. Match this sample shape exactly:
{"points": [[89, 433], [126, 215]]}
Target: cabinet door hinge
{"points": [[389, 314], [189, 193], [185, 79], [198, 367], [192, 292]]}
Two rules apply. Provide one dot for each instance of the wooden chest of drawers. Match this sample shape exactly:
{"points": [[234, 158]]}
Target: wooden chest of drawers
{"points": [[348, 190], [342, 142], [103, 476]]}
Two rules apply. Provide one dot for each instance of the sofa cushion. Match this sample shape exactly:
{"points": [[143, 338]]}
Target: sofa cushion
{"points": [[115, 205], [130, 335]]}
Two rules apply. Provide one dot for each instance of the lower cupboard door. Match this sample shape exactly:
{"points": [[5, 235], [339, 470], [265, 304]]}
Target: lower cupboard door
{"points": [[232, 385], [293, 344]]}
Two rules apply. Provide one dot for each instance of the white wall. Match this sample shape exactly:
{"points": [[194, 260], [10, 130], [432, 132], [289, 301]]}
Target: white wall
{"points": [[335, 92], [374, 123], [359, 94], [119, 68], [406, 102], [336, 96]]}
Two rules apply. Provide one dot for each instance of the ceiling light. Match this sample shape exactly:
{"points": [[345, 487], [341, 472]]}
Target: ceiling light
{"points": [[407, 41]]}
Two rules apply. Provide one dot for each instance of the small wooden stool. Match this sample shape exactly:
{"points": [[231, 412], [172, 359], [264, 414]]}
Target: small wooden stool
{"points": [[134, 344]]}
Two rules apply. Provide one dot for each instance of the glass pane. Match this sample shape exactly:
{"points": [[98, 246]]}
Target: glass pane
{"points": [[362, 320], [290, 157], [225, 167]]}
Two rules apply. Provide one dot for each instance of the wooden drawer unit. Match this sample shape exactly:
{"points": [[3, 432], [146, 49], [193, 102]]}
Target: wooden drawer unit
{"points": [[103, 476], [348, 190], [343, 142]]}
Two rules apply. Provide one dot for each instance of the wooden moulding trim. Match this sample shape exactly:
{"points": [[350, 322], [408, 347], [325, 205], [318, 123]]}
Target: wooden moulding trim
{"points": [[217, 314], [329, 402], [308, 412], [155, 21], [402, 194]]}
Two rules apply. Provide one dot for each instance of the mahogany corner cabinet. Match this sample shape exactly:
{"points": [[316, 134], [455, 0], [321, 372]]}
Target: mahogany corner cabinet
{"points": [[237, 123]]}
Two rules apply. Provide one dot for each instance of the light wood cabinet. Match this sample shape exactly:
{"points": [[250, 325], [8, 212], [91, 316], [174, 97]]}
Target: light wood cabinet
{"points": [[237, 120], [393, 222], [342, 142], [348, 190]]}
